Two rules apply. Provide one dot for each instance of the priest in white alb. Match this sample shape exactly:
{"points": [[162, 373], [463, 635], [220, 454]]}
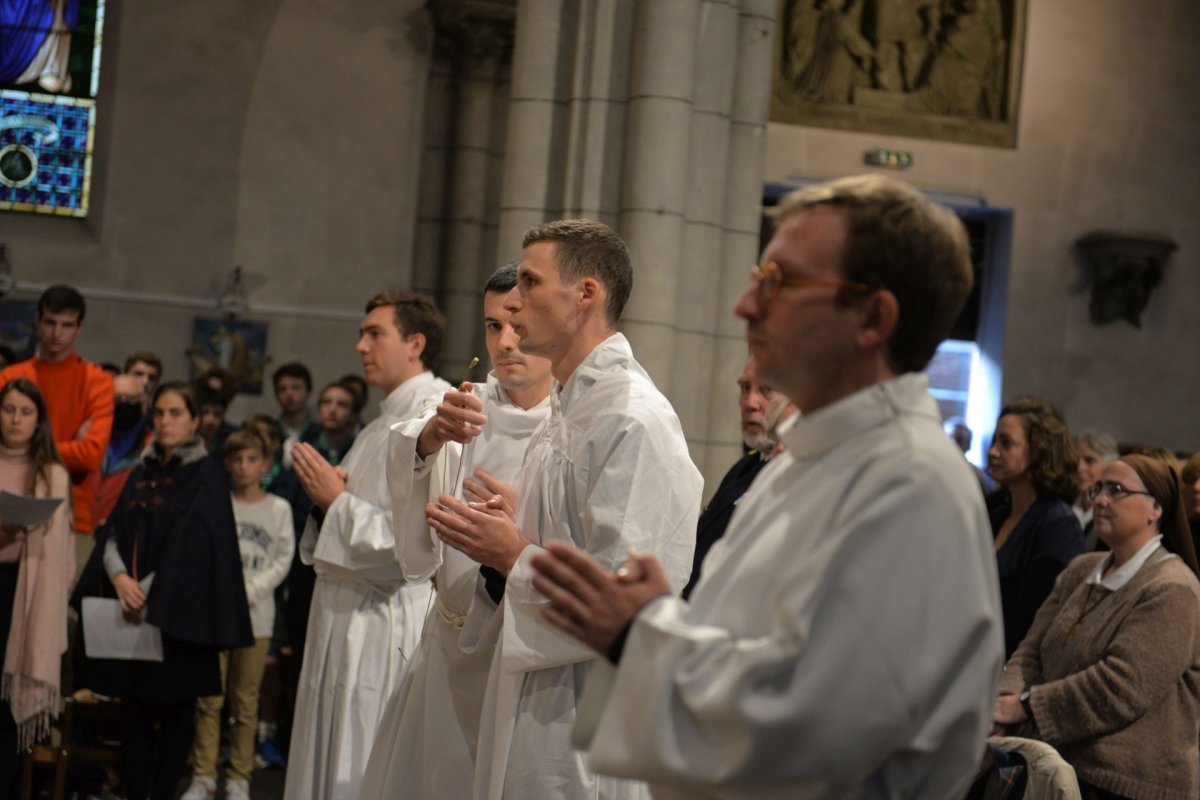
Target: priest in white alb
{"points": [[608, 471], [365, 619], [844, 638], [475, 439]]}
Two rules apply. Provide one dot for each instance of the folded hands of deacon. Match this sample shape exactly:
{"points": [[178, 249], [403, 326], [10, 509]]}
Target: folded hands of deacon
{"points": [[591, 603], [321, 481], [482, 528]]}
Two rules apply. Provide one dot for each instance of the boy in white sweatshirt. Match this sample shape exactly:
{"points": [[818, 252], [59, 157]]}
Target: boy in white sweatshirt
{"points": [[266, 542]]}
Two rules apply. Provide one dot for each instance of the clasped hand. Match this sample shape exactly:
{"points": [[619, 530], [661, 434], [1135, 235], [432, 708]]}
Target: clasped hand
{"points": [[484, 529], [131, 597], [322, 482], [588, 601], [1007, 712]]}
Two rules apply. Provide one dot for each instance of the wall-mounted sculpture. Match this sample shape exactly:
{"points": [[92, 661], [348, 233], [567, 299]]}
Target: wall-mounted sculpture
{"points": [[945, 70], [1122, 269]]}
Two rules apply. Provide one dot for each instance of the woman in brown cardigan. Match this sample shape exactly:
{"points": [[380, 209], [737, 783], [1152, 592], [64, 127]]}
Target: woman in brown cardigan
{"points": [[1109, 674]]}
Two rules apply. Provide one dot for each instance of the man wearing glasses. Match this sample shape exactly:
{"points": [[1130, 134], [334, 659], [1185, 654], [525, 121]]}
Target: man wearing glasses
{"points": [[846, 632]]}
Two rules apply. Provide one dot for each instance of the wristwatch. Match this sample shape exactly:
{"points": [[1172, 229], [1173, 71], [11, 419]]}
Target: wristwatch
{"points": [[1023, 699]]}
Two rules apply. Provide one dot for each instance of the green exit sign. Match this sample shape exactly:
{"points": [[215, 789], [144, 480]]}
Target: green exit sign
{"points": [[893, 159]]}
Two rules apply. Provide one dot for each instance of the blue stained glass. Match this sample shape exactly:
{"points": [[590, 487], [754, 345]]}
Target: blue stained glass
{"points": [[63, 160]]}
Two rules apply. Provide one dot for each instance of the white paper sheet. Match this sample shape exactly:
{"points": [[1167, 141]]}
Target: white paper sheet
{"points": [[107, 634]]}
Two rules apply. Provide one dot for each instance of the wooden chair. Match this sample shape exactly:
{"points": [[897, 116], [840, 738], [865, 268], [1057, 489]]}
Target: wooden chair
{"points": [[78, 721]]}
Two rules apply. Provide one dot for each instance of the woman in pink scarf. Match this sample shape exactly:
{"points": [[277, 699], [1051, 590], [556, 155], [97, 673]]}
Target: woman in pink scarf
{"points": [[36, 567]]}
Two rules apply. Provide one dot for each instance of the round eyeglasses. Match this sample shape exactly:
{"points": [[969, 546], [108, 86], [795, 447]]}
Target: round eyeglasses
{"points": [[770, 280]]}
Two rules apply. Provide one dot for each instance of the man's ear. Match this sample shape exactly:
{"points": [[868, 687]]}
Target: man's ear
{"points": [[880, 316], [418, 344], [590, 291]]}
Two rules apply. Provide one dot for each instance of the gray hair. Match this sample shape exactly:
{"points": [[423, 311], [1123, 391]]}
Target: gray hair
{"points": [[1101, 442]]}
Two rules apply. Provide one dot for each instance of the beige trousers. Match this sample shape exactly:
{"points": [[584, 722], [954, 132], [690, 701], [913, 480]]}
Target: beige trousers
{"points": [[241, 675]]}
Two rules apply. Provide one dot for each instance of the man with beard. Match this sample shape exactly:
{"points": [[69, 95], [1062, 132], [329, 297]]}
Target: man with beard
{"points": [[763, 409]]}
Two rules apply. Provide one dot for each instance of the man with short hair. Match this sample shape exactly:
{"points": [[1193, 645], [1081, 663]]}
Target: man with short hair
{"points": [[356, 384], [848, 638], [79, 400], [608, 471], [365, 619], [475, 439], [760, 436], [147, 368], [338, 409], [293, 385], [213, 427]]}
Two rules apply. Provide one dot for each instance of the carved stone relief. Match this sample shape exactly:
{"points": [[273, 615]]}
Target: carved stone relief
{"points": [[935, 69]]}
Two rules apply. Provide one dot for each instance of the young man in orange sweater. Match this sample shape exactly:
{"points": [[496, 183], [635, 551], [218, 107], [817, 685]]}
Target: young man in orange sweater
{"points": [[79, 399]]}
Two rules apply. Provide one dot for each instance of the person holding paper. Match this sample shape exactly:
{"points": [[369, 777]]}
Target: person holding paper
{"points": [[169, 552], [37, 562]]}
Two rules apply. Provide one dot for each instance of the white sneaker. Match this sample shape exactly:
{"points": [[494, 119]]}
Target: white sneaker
{"points": [[237, 789], [202, 788]]}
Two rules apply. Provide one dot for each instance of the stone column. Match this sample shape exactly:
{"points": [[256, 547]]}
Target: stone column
{"points": [[743, 213], [434, 172], [477, 37], [696, 299], [596, 112], [658, 136], [628, 111], [533, 168]]}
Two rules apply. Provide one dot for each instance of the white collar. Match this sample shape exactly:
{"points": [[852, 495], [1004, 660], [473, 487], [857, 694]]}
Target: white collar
{"points": [[402, 400], [506, 416], [814, 434], [1084, 515], [1124, 573], [611, 355]]}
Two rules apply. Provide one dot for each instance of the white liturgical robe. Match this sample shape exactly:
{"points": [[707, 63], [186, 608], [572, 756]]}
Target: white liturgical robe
{"points": [[425, 747], [844, 640], [365, 619], [608, 471]]}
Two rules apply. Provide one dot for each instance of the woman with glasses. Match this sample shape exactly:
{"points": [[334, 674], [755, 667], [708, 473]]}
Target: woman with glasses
{"points": [[1110, 671], [1036, 532]]}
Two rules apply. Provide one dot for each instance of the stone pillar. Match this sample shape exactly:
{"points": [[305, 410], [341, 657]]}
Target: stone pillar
{"points": [[658, 136], [627, 111], [739, 240], [475, 39], [434, 172], [696, 298], [596, 112], [489, 260], [533, 168]]}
